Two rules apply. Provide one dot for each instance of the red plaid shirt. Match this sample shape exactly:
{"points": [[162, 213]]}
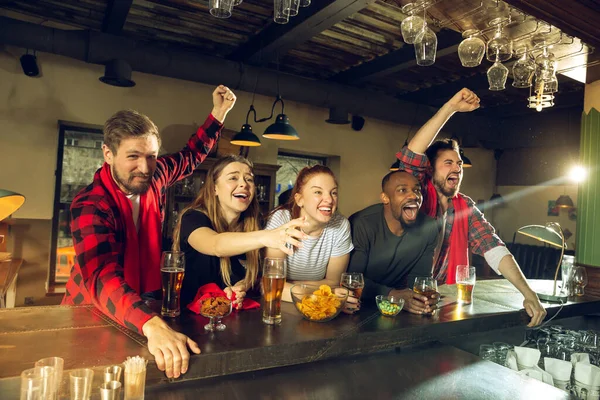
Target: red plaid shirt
{"points": [[482, 236], [99, 237]]}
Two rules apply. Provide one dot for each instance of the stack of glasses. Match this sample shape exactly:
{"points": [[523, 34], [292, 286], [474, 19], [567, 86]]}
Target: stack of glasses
{"points": [[570, 357], [44, 382]]}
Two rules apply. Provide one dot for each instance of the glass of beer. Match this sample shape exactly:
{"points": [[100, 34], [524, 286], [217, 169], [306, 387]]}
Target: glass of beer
{"points": [[172, 268], [425, 286], [353, 281], [273, 281], [465, 281]]}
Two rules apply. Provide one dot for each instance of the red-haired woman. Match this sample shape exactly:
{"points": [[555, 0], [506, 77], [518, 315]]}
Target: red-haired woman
{"points": [[325, 252]]}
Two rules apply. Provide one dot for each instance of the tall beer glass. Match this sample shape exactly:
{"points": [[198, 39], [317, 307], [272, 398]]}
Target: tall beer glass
{"points": [[465, 282], [172, 268], [273, 281]]}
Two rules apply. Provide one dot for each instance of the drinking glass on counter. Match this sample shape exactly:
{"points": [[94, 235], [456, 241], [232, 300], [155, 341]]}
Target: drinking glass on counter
{"points": [[38, 384], [57, 363], [487, 352], [81, 383], [110, 390], [579, 279], [273, 282], [501, 349], [172, 269], [426, 286], [566, 268], [465, 282], [112, 373], [353, 281]]}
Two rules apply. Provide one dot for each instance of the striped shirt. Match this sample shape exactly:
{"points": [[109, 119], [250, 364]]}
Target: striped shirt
{"points": [[310, 262]]}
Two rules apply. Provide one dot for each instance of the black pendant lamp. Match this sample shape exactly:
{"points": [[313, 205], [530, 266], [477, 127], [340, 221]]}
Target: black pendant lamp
{"points": [[338, 116], [466, 161], [245, 137], [117, 72], [564, 201], [281, 128], [395, 166]]}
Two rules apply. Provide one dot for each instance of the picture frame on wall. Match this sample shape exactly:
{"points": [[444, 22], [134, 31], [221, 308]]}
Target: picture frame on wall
{"points": [[552, 209]]}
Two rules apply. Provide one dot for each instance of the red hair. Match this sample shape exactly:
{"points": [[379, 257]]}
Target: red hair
{"points": [[304, 176]]}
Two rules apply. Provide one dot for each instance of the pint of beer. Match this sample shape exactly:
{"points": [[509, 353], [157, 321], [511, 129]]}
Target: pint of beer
{"points": [[172, 269], [273, 281], [465, 282]]}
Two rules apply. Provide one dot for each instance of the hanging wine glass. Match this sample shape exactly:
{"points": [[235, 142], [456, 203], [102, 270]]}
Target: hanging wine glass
{"points": [[220, 8], [412, 25], [499, 48], [497, 75], [551, 86], [471, 49], [425, 46], [292, 7], [545, 65], [523, 69], [237, 2], [281, 13]]}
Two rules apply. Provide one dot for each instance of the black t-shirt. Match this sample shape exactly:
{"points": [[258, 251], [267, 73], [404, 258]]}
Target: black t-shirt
{"points": [[201, 268], [386, 260]]}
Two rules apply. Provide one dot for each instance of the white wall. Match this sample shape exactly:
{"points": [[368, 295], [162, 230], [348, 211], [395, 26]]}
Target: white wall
{"points": [[70, 90]]}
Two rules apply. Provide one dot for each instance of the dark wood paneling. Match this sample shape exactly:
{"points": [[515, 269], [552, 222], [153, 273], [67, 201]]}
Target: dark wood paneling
{"points": [[116, 14], [577, 18]]}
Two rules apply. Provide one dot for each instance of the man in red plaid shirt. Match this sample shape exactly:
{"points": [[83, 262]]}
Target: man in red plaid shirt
{"points": [[463, 227], [116, 226]]}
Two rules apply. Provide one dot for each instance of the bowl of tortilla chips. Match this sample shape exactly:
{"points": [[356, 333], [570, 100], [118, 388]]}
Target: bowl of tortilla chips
{"points": [[319, 303]]}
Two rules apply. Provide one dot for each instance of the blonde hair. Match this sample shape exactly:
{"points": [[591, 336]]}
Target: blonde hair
{"points": [[208, 203]]}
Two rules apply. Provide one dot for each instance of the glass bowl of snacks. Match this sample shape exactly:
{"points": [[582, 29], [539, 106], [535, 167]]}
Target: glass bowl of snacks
{"points": [[319, 303], [215, 308], [389, 306]]}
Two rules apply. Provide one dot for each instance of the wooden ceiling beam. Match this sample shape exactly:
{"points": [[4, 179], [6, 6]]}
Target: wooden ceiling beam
{"points": [[397, 60], [575, 18], [116, 15], [310, 21]]}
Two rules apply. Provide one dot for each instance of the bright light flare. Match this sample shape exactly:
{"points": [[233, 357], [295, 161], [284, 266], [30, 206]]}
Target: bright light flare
{"points": [[577, 174]]}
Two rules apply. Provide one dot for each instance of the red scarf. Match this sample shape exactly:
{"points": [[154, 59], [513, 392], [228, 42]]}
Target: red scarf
{"points": [[459, 237], [142, 248]]}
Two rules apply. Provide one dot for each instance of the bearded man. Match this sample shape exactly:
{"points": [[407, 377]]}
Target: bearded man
{"points": [[464, 229], [116, 226]]}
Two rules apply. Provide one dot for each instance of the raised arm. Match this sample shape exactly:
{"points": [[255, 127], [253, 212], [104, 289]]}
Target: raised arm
{"points": [[463, 101], [173, 167]]}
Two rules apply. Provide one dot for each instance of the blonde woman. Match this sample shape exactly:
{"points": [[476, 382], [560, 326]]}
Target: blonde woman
{"points": [[220, 233]]}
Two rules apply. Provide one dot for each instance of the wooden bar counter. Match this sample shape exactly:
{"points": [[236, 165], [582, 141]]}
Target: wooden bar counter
{"points": [[86, 338]]}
